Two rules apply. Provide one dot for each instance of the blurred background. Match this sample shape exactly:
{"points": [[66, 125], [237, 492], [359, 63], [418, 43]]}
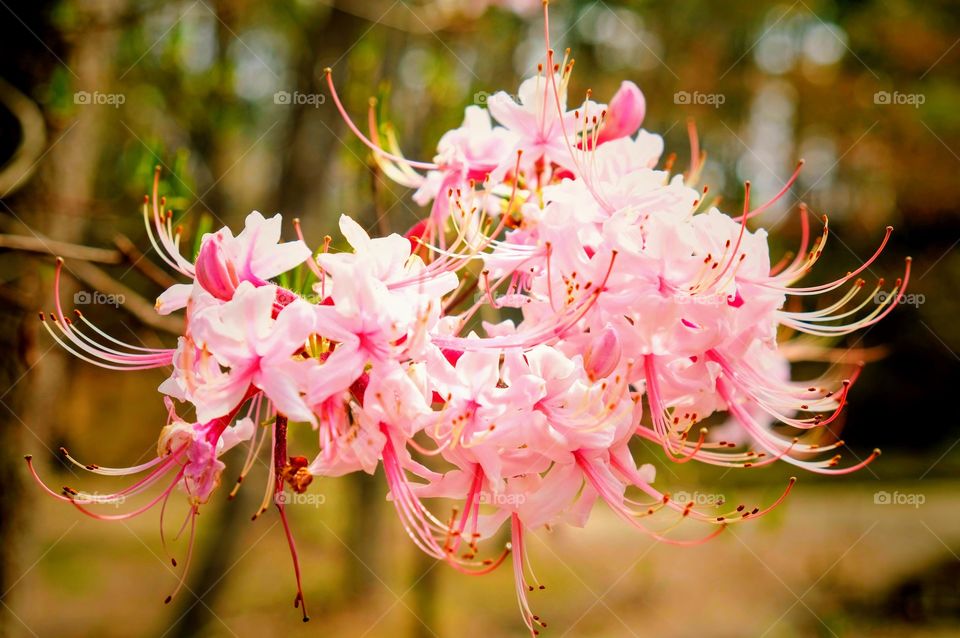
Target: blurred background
{"points": [[228, 97]]}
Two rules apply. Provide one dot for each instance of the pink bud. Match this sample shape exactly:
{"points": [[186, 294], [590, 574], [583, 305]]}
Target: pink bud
{"points": [[603, 355], [214, 271], [624, 113]]}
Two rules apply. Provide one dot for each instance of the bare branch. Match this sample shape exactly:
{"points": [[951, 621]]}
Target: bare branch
{"points": [[139, 261], [60, 248]]}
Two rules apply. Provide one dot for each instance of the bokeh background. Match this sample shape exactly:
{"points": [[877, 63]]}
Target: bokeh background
{"points": [[95, 93]]}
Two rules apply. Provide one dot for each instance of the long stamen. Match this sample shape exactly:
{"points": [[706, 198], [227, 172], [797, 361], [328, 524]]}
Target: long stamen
{"points": [[363, 138], [186, 564]]}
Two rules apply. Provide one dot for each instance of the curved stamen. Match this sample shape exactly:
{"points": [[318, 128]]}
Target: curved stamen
{"points": [[363, 138]]}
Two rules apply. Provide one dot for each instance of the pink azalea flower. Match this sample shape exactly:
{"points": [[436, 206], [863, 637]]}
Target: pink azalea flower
{"points": [[565, 297], [224, 261], [535, 121], [253, 348], [471, 152]]}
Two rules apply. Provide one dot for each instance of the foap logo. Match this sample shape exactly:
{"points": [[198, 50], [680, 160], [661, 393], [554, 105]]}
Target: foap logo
{"points": [[94, 498], [286, 98], [882, 297], [698, 498], [97, 298], [696, 98], [896, 98], [702, 300], [500, 499], [293, 498], [480, 98], [86, 98], [914, 499]]}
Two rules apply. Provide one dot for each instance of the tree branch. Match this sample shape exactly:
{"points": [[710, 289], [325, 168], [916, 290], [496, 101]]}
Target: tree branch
{"points": [[60, 248], [141, 263]]}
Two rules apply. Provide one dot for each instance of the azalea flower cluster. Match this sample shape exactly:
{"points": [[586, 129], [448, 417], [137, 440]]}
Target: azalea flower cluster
{"points": [[566, 297]]}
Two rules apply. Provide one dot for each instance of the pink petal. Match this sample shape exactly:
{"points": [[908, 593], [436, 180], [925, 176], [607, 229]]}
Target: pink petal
{"points": [[173, 298]]}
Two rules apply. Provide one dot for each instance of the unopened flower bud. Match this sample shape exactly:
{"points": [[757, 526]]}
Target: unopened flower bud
{"points": [[603, 355], [215, 271], [624, 113]]}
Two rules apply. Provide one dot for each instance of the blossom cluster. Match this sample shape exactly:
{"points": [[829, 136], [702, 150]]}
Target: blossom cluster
{"points": [[565, 297]]}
